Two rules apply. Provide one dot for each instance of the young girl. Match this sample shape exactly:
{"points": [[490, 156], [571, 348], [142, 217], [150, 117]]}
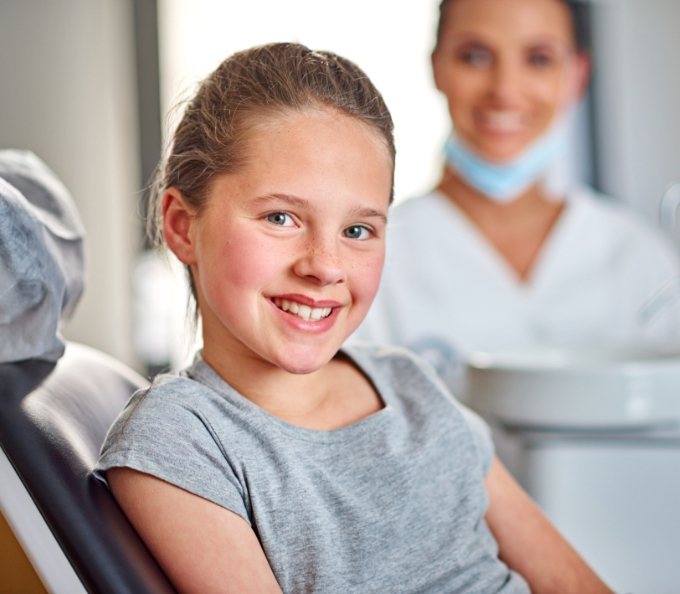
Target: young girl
{"points": [[279, 461]]}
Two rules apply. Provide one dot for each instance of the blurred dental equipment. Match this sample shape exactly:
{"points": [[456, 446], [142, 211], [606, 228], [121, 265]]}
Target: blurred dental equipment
{"points": [[669, 292], [659, 303], [668, 208], [593, 435]]}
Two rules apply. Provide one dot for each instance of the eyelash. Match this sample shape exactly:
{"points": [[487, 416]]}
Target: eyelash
{"points": [[365, 229]]}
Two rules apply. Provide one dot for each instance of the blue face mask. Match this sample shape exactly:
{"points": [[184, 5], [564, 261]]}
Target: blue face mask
{"points": [[505, 182]]}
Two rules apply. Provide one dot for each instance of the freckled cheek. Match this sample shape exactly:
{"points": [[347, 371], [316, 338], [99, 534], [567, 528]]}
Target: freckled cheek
{"points": [[365, 276]]}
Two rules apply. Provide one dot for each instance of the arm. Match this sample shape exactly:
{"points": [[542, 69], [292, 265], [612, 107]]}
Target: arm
{"points": [[530, 545], [202, 547]]}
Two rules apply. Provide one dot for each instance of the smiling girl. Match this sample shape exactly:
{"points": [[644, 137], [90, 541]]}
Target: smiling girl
{"points": [[280, 461]]}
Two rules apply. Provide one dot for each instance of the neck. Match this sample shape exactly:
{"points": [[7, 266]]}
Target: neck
{"points": [[471, 200], [517, 230], [336, 395], [270, 387]]}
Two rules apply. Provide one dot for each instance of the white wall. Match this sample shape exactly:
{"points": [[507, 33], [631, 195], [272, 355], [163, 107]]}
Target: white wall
{"points": [[391, 41], [68, 94], [638, 91]]}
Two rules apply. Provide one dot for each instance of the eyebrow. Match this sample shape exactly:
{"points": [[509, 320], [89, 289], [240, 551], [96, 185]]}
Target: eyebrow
{"points": [[475, 37], [370, 213], [290, 199], [306, 204]]}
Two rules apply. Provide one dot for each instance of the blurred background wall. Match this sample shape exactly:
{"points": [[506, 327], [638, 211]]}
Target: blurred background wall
{"points": [[637, 99], [68, 93]]}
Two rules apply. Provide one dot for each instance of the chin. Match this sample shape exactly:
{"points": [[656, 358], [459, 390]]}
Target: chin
{"points": [[303, 362], [501, 155], [506, 150], [302, 368]]}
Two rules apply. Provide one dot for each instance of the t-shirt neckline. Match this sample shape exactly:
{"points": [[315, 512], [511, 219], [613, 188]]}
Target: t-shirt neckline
{"points": [[202, 372]]}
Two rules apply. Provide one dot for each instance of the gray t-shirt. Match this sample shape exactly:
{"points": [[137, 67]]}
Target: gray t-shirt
{"points": [[393, 503]]}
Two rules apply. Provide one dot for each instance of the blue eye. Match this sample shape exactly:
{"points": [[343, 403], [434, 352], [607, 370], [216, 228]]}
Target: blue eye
{"points": [[357, 232], [281, 219]]}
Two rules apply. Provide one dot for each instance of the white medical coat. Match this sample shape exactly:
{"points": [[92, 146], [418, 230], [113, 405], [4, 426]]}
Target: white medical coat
{"points": [[447, 292]]}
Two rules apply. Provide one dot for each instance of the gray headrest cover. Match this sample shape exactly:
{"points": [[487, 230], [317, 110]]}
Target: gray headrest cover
{"points": [[41, 258]]}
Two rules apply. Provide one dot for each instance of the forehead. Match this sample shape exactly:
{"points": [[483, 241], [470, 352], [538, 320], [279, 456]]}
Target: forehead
{"points": [[312, 134], [314, 154], [263, 122], [543, 20]]}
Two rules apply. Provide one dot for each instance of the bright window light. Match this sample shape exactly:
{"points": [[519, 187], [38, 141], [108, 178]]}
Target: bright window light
{"points": [[390, 40]]}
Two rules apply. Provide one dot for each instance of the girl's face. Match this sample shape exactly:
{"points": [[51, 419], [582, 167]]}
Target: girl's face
{"points": [[287, 253], [508, 69]]}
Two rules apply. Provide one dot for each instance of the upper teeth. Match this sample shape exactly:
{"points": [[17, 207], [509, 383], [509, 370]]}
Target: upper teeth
{"points": [[303, 311], [505, 121]]}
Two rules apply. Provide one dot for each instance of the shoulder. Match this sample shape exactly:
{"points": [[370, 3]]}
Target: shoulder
{"points": [[176, 431], [612, 213], [619, 224], [185, 407], [168, 395], [399, 371], [402, 372], [422, 393], [156, 416], [386, 360]]}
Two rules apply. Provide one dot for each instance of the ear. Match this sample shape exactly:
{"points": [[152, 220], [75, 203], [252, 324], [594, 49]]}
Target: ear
{"points": [[178, 220], [435, 60], [581, 75]]}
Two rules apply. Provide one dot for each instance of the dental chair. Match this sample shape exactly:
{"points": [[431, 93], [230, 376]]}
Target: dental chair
{"points": [[53, 419]]}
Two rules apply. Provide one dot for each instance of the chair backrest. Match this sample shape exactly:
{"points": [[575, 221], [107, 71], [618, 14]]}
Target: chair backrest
{"points": [[53, 419]]}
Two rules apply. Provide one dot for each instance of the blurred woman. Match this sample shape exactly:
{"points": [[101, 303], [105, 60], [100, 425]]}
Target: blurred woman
{"points": [[497, 257]]}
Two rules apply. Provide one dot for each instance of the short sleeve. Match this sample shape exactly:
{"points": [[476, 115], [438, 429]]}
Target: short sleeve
{"points": [[162, 433]]}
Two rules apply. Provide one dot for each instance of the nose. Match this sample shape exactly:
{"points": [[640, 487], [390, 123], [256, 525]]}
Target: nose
{"points": [[320, 262], [505, 81]]}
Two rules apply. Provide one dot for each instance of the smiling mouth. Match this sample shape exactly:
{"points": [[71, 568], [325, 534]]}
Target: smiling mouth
{"points": [[502, 121], [307, 313]]}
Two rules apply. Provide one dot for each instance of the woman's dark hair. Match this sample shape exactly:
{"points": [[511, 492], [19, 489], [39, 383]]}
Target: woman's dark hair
{"points": [[579, 11]]}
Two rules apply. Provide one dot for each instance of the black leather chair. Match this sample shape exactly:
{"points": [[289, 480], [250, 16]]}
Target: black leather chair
{"points": [[53, 419]]}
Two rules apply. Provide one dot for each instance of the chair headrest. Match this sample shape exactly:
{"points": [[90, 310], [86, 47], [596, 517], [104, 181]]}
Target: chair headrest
{"points": [[41, 258]]}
